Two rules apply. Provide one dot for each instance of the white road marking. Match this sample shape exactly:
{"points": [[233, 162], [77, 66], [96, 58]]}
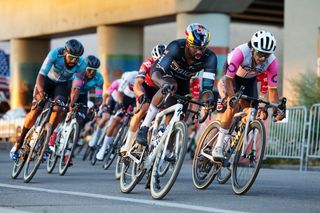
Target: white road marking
{"points": [[133, 200]]}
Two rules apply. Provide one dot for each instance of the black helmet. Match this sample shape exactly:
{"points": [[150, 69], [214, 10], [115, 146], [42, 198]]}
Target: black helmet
{"points": [[74, 47], [93, 62]]}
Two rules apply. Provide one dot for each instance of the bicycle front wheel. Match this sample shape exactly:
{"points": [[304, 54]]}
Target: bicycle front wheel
{"points": [[36, 153], [19, 163], [203, 169], [246, 165], [68, 150], [165, 171]]}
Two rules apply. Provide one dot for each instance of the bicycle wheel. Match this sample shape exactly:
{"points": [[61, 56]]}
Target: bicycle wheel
{"points": [[117, 172], [223, 175], [131, 172], [36, 153], [162, 179], [53, 158], [68, 150], [19, 163], [203, 169], [246, 167], [87, 152], [114, 150]]}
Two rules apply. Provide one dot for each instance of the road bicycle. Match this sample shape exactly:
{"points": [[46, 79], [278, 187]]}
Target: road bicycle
{"points": [[163, 157], [243, 148], [31, 154], [66, 140]]}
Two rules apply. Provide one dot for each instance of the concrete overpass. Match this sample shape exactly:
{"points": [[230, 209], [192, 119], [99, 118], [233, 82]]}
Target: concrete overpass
{"points": [[30, 24]]}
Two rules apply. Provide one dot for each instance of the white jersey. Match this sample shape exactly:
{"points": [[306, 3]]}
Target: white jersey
{"points": [[127, 82]]}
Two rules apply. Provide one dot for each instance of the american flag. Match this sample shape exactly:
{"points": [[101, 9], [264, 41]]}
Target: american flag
{"points": [[4, 73]]}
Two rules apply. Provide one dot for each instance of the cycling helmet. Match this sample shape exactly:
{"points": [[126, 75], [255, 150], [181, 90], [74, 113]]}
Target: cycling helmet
{"points": [[93, 62], [157, 51], [74, 47], [264, 41], [198, 35]]}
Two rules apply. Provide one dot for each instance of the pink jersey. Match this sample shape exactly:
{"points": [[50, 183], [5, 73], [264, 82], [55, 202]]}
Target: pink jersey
{"points": [[113, 88], [240, 64]]}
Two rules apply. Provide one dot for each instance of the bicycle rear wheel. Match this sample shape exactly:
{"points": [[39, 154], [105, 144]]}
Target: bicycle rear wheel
{"points": [[165, 172], [19, 163], [68, 150], [131, 172], [53, 158], [117, 172], [36, 153], [203, 169], [246, 167]]}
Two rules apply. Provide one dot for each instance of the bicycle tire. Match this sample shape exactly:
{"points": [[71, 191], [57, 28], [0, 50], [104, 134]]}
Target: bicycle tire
{"points": [[73, 135], [117, 172], [237, 187], [18, 165], [41, 146], [223, 175], [53, 158], [155, 192], [203, 170]]}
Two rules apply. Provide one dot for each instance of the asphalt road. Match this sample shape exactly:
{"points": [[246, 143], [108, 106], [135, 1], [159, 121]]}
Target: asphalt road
{"points": [[87, 188]]}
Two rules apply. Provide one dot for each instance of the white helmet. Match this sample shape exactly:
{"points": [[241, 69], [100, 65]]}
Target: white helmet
{"points": [[90, 104], [264, 41], [157, 51]]}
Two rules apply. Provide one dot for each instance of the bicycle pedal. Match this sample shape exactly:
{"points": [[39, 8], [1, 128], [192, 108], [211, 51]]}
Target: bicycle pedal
{"points": [[170, 159]]}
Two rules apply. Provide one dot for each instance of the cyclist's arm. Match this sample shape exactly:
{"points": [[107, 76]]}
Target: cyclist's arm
{"points": [[98, 93], [45, 68], [272, 72], [233, 65], [74, 95], [209, 73], [77, 83], [137, 87], [165, 61]]}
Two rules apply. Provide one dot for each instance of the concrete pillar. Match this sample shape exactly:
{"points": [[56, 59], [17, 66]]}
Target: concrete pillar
{"points": [[26, 58], [219, 26], [120, 49]]}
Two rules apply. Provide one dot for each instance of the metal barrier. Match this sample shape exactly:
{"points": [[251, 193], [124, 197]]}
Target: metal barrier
{"points": [[10, 128], [313, 145], [286, 139]]}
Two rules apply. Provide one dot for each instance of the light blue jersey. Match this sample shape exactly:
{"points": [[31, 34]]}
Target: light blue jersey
{"points": [[96, 82], [55, 68]]}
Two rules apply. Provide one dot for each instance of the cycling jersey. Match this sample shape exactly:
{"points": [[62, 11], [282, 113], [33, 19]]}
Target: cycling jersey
{"points": [[127, 83], [54, 66], [240, 64], [263, 79], [144, 71], [86, 86], [195, 87], [173, 63], [113, 88]]}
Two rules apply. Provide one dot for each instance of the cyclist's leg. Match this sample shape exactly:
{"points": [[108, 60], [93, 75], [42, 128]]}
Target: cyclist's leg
{"points": [[61, 92], [107, 111], [136, 119], [112, 129], [31, 117], [158, 79]]}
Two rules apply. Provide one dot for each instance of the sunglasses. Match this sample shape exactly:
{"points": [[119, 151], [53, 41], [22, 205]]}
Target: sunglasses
{"points": [[72, 57], [262, 54], [202, 48]]}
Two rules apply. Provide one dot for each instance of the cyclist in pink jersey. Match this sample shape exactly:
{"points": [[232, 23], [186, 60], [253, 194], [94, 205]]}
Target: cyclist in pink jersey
{"points": [[245, 63], [110, 100]]}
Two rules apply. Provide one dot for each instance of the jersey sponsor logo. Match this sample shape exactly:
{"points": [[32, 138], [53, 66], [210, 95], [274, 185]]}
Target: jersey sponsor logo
{"points": [[253, 70], [182, 72], [274, 78]]}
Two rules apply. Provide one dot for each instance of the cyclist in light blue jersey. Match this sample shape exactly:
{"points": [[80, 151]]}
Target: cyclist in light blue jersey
{"points": [[83, 83], [54, 80]]}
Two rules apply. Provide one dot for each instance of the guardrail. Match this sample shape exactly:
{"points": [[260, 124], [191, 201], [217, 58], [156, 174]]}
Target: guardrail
{"points": [[10, 128], [313, 142]]}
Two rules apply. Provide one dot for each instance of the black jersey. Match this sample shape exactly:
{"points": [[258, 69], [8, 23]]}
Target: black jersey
{"points": [[173, 63]]}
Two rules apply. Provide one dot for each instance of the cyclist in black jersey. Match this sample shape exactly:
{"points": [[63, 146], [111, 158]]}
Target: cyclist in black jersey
{"points": [[182, 59]]}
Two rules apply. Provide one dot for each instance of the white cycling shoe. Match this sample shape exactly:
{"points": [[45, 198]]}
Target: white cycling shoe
{"points": [[101, 152], [217, 152]]}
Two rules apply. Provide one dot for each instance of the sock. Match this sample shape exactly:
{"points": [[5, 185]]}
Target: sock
{"points": [[152, 112], [221, 136], [96, 135], [129, 140]]}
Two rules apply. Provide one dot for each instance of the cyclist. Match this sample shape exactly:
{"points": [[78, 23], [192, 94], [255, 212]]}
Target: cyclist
{"points": [[182, 59], [54, 80], [126, 99], [106, 110], [82, 84], [144, 90], [244, 63]]}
